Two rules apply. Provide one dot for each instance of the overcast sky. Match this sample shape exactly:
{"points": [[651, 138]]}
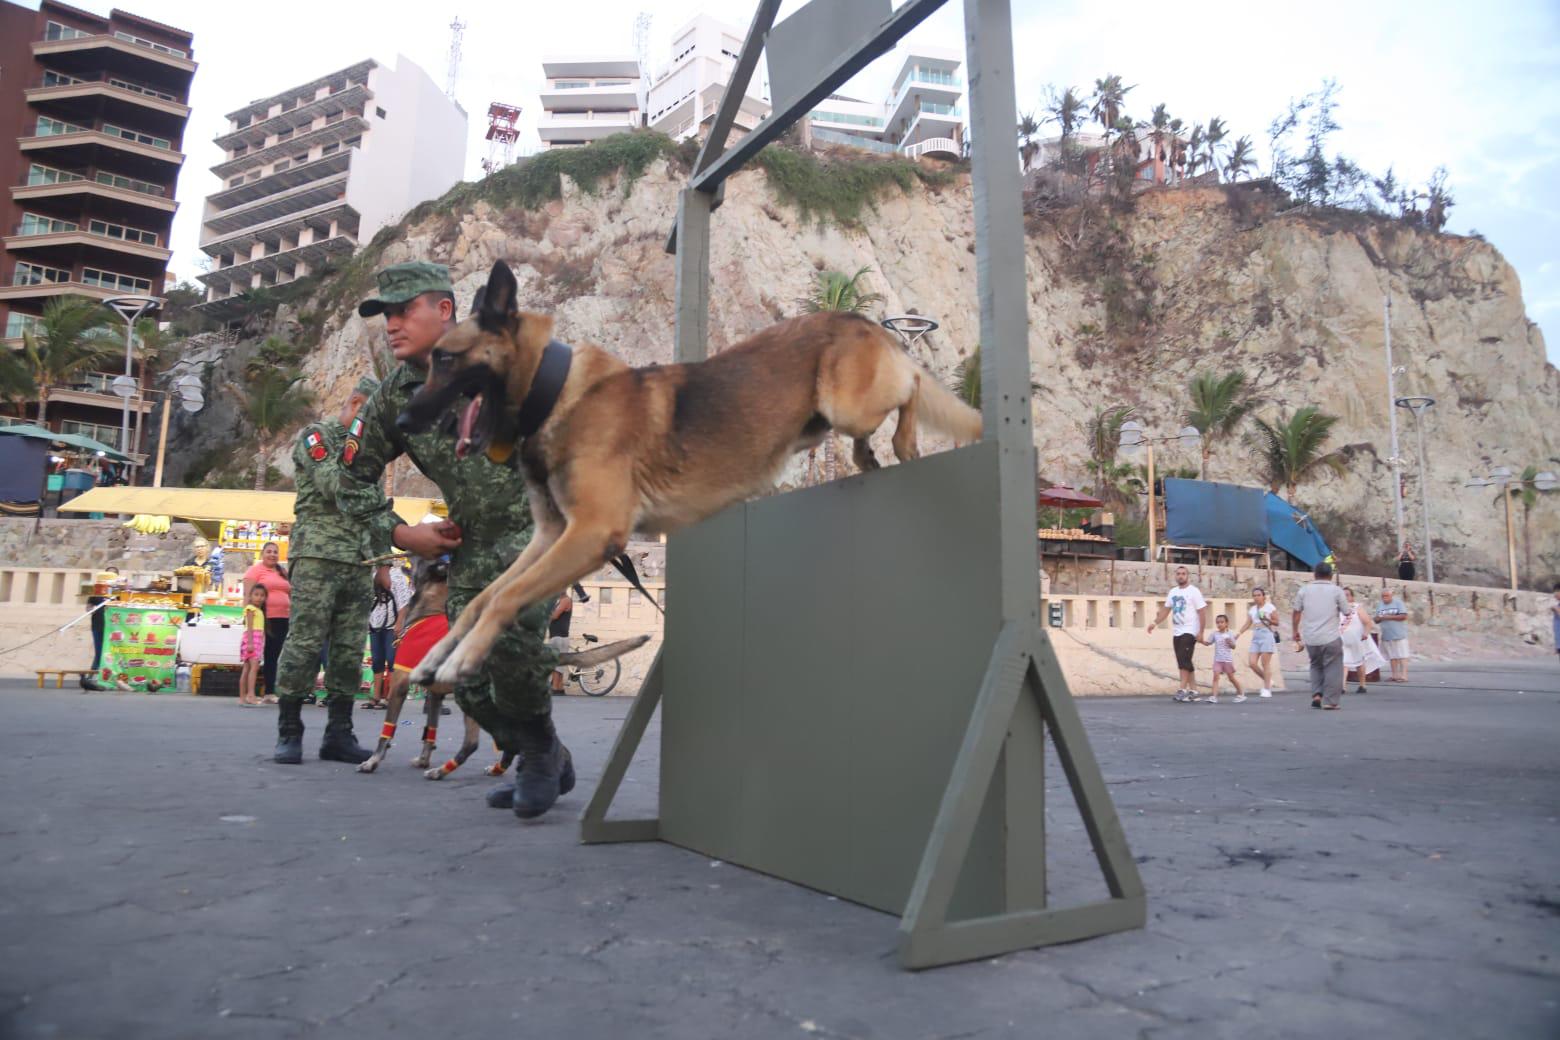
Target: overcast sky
{"points": [[1474, 87]]}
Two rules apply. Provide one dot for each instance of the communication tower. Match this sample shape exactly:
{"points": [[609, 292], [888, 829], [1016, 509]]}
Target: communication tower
{"points": [[502, 133], [452, 73]]}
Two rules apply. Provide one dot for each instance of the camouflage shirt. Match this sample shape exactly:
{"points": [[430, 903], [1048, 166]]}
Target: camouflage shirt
{"points": [[320, 530], [486, 499]]}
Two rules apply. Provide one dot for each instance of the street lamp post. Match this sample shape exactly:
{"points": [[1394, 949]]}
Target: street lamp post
{"points": [[1396, 460], [1420, 405], [1507, 480], [1132, 438], [130, 308], [192, 398]]}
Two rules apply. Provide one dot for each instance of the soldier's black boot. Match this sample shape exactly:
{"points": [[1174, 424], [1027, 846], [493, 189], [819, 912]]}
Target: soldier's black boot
{"points": [[503, 796], [546, 770], [289, 731], [339, 744]]}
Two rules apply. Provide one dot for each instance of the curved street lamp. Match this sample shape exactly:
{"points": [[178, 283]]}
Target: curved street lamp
{"points": [[1419, 406], [131, 308]]}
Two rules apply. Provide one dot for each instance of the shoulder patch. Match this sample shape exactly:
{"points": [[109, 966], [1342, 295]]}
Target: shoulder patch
{"points": [[354, 432], [316, 446]]}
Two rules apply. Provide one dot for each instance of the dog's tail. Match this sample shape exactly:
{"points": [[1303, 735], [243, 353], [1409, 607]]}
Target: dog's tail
{"points": [[938, 408], [601, 654]]}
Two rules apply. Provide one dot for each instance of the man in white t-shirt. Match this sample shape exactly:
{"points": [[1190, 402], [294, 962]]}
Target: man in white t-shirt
{"points": [[1188, 613]]}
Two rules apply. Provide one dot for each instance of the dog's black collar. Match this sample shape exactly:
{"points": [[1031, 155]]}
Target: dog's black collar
{"points": [[545, 388]]}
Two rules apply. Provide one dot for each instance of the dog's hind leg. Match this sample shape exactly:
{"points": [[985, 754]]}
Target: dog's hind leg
{"points": [[863, 456], [398, 687], [470, 744], [430, 733], [905, 444], [549, 526]]}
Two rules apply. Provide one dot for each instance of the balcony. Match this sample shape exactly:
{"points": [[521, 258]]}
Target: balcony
{"points": [[591, 99], [259, 110], [342, 130], [277, 266], [48, 290], [914, 94], [585, 126], [296, 119], [287, 227], [282, 181], [132, 198], [590, 68], [309, 196], [115, 101], [70, 241], [937, 147], [97, 394], [90, 55], [81, 147]]}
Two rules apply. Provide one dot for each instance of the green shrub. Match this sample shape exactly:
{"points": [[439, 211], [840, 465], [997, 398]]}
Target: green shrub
{"points": [[841, 188]]}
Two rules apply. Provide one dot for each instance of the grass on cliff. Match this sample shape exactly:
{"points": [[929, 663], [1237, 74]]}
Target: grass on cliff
{"points": [[842, 187]]}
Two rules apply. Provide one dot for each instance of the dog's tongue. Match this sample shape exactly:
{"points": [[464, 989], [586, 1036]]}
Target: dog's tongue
{"points": [[468, 423]]}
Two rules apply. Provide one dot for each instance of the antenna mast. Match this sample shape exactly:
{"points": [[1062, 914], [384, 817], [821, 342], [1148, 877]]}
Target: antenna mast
{"points": [[452, 74]]}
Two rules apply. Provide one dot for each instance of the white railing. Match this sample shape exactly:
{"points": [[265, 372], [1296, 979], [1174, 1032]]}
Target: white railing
{"points": [[945, 146]]}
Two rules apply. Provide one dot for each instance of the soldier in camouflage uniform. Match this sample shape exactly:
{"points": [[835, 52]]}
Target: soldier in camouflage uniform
{"points": [[490, 523], [331, 594]]}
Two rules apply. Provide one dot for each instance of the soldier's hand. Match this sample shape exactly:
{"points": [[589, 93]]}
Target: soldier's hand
{"points": [[429, 541]]}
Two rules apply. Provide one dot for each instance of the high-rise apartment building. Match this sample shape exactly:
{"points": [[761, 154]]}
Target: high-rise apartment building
{"points": [[311, 172], [589, 98], [685, 94], [92, 117], [921, 116]]}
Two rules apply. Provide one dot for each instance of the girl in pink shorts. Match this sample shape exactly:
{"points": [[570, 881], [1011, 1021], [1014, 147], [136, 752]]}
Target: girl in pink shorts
{"points": [[1223, 642], [252, 650]]}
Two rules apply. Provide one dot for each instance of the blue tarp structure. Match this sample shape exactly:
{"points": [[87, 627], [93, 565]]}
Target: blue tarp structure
{"points": [[1229, 516], [1292, 531]]}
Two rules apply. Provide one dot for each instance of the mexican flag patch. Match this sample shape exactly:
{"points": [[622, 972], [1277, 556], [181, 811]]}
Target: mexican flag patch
{"points": [[316, 446], [350, 450]]}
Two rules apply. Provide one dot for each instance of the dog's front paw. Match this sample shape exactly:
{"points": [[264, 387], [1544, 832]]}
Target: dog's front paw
{"points": [[371, 765], [421, 761], [426, 669], [436, 773]]}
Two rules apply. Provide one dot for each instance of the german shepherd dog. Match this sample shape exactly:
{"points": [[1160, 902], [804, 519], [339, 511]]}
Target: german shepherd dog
{"points": [[431, 583], [653, 449]]}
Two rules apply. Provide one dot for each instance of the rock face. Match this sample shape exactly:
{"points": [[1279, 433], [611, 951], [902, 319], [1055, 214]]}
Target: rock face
{"points": [[1197, 278]]}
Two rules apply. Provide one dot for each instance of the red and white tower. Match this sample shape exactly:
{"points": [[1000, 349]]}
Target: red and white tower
{"points": [[503, 131]]}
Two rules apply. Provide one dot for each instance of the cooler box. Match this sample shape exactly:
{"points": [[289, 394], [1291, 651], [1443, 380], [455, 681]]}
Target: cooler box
{"points": [[210, 644]]}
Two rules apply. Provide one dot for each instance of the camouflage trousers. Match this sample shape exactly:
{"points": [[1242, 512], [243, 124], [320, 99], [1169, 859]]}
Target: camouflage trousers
{"points": [[513, 687], [330, 604]]}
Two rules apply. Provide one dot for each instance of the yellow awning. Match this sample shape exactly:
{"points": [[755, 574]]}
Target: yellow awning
{"points": [[211, 504]]}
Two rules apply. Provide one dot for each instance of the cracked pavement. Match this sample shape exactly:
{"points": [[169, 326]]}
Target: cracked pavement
{"points": [[1390, 869]]}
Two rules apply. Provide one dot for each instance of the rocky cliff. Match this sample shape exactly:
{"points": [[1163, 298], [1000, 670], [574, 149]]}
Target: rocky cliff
{"points": [[1124, 307]]}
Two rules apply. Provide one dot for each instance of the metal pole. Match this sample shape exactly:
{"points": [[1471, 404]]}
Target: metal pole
{"points": [[124, 429], [1395, 461], [1424, 497], [1511, 541]]}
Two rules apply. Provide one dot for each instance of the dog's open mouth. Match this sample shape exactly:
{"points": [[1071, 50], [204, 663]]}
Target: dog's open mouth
{"points": [[471, 433]]}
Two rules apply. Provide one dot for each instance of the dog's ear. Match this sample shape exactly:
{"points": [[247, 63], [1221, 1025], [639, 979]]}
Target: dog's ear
{"points": [[476, 301], [497, 307]]}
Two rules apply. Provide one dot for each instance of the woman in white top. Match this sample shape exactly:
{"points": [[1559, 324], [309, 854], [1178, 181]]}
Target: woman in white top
{"points": [[1263, 616], [1359, 650]]}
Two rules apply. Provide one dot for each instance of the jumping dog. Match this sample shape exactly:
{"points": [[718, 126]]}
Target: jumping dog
{"points": [[606, 449]]}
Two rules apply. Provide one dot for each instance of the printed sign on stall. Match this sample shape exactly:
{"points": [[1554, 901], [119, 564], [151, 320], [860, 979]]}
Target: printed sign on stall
{"points": [[140, 647]]}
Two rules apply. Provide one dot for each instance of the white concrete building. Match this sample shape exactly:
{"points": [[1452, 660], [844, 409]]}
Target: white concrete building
{"points": [[589, 98], [315, 170], [685, 93], [921, 116]]}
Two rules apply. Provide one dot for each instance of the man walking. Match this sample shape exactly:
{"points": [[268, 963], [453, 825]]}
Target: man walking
{"points": [[331, 592], [1188, 613], [1392, 618], [1318, 614], [490, 523]]}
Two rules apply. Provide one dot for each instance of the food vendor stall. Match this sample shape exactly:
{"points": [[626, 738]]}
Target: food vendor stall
{"points": [[155, 623], [1089, 540]]}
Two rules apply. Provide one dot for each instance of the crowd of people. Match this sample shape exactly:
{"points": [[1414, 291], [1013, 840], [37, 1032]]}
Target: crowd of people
{"points": [[1339, 636]]}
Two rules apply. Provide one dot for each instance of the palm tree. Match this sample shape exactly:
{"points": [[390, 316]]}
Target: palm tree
{"points": [[1290, 448], [1528, 494], [155, 347], [1212, 138], [1103, 431], [838, 291], [966, 382], [1027, 129], [1194, 147], [1240, 160], [16, 381], [272, 401], [1109, 97], [70, 338], [1067, 109], [1219, 404], [1159, 131]]}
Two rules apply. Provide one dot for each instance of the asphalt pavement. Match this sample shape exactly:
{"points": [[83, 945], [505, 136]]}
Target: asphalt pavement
{"points": [[1389, 870]]}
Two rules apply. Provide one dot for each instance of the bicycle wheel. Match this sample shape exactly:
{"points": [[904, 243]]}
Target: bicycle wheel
{"points": [[598, 680]]}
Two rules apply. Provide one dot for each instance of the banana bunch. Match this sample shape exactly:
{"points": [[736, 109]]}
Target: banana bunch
{"points": [[149, 523]]}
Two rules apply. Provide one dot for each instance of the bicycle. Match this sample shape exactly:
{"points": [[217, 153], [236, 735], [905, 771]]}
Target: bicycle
{"points": [[596, 680]]}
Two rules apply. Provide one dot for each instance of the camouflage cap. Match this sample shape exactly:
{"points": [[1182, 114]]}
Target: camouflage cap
{"points": [[366, 386], [401, 282]]}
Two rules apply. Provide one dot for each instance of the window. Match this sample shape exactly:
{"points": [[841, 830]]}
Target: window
{"points": [[283, 165], [139, 42], [284, 135], [236, 181], [606, 597], [37, 174], [352, 142], [105, 434], [114, 280], [51, 127], [36, 224], [570, 84], [37, 274], [57, 79], [330, 149], [299, 160], [379, 112], [128, 234], [17, 324], [116, 180], [56, 31], [124, 84], [846, 117], [136, 136]]}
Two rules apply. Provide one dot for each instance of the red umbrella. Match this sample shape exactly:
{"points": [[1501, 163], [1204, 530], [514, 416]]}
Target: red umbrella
{"points": [[1065, 497]]}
